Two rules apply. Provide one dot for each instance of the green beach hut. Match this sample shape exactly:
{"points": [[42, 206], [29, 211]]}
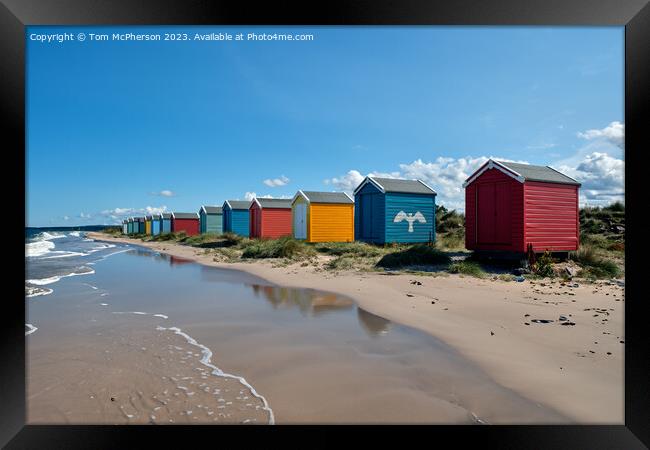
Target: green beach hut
{"points": [[211, 219]]}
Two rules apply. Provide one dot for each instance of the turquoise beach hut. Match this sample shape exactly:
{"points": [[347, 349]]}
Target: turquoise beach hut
{"points": [[391, 210], [211, 219], [129, 225], [165, 222], [235, 217]]}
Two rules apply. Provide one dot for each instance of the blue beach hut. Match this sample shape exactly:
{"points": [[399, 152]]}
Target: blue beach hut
{"points": [[211, 219], [165, 222], [235, 217], [129, 225], [141, 225], [155, 225], [391, 210]]}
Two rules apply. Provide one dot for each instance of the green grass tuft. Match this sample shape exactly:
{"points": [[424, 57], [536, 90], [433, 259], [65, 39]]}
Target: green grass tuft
{"points": [[417, 255], [360, 249], [467, 268], [593, 265], [284, 247]]}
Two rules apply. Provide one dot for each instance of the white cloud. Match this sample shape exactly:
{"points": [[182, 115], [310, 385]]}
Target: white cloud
{"points": [[275, 182], [66, 217], [613, 133], [602, 178], [351, 180], [121, 213], [444, 175], [164, 193], [84, 216], [251, 195]]}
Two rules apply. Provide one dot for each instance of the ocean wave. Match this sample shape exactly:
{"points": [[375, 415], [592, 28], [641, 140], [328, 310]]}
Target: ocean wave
{"points": [[38, 248], [54, 279], [75, 234], [45, 236], [33, 291], [101, 247], [64, 254], [31, 327]]}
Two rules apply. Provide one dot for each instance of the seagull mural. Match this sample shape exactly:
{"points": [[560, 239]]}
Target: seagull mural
{"points": [[410, 218]]}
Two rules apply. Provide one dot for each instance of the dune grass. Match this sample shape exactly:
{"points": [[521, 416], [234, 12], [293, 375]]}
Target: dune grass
{"points": [[359, 249], [471, 268], [416, 255], [593, 265], [284, 247]]}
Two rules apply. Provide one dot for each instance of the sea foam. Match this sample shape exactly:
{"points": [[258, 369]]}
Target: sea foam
{"points": [[38, 248], [31, 327], [54, 279], [206, 361]]}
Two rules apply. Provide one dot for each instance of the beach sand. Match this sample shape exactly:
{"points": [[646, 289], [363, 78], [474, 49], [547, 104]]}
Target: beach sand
{"points": [[141, 375], [576, 370]]}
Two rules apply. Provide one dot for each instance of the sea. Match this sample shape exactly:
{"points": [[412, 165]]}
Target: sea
{"points": [[52, 254]]}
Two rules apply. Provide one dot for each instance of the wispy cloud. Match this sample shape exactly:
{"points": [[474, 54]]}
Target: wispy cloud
{"points": [[275, 182], [613, 133], [541, 146], [164, 193]]}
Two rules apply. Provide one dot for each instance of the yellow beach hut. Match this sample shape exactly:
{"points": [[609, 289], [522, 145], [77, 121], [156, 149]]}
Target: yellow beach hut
{"points": [[323, 216], [147, 224]]}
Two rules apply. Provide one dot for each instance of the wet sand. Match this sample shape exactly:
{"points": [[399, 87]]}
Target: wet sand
{"points": [[576, 370], [122, 372], [109, 348]]}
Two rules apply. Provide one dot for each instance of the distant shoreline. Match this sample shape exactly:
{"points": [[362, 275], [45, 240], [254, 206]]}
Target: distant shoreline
{"points": [[487, 321]]}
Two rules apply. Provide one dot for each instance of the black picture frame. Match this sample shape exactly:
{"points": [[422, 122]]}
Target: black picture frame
{"points": [[15, 15]]}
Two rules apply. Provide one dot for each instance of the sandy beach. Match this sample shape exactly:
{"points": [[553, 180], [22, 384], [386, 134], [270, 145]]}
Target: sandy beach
{"points": [[575, 366]]}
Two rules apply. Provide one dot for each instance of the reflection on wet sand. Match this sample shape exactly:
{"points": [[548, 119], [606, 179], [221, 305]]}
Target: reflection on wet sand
{"points": [[309, 302], [374, 325], [176, 261]]}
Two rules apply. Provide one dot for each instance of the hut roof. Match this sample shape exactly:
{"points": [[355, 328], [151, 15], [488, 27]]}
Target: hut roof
{"points": [[212, 209], [397, 185], [238, 204], [324, 197], [181, 215], [272, 202], [524, 172]]}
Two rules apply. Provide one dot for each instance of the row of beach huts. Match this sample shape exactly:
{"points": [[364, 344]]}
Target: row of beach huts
{"points": [[508, 207]]}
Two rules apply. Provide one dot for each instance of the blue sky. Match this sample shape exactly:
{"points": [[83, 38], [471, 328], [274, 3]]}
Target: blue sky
{"points": [[118, 128]]}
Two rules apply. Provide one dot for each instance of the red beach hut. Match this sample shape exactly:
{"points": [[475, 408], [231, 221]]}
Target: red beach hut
{"points": [[270, 218], [510, 205], [187, 222]]}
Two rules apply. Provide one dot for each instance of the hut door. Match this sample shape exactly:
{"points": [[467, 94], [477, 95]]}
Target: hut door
{"points": [[494, 213], [486, 214], [367, 210], [300, 221], [503, 216]]}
